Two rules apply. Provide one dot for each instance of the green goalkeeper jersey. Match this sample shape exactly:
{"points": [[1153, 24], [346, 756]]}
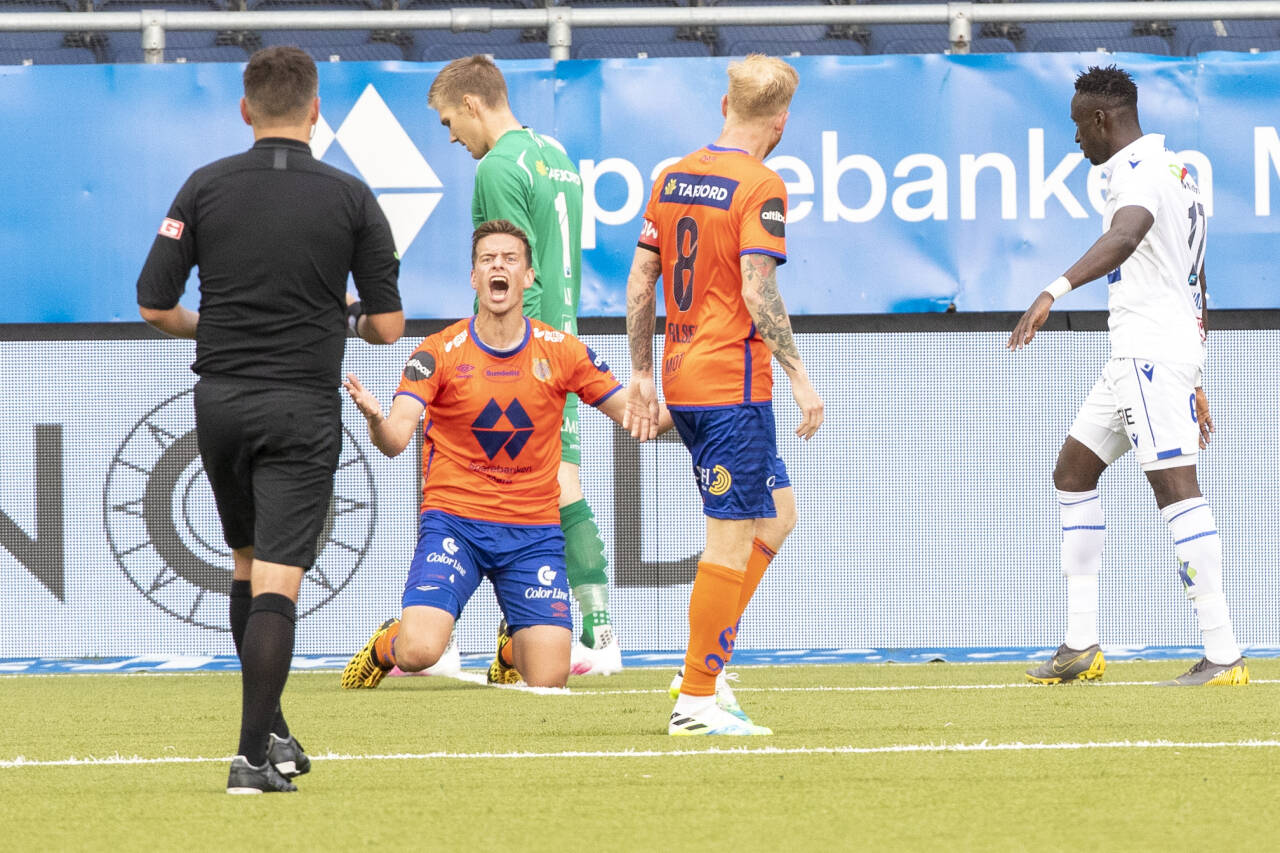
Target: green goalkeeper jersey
{"points": [[528, 179]]}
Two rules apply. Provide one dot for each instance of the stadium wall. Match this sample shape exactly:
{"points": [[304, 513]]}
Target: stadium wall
{"points": [[916, 182], [927, 515]]}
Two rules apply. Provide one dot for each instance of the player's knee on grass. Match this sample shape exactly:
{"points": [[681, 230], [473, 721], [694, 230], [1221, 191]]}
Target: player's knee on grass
{"points": [[541, 654], [424, 635]]}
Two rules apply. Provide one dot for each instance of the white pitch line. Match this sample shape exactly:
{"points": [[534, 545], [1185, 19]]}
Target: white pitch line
{"points": [[767, 751]]}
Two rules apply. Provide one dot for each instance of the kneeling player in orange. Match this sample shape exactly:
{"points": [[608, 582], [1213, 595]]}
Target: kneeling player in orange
{"points": [[494, 387]]}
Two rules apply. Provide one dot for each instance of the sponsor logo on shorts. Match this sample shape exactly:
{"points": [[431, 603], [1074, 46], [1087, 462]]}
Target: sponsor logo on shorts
{"points": [[427, 587], [534, 593], [437, 557], [773, 217], [420, 366], [559, 607], [721, 481], [546, 576], [450, 545]]}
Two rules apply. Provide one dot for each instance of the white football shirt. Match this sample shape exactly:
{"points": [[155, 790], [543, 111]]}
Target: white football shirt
{"points": [[1154, 298]]}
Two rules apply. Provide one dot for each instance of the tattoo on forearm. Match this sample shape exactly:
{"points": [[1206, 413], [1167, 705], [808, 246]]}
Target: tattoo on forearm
{"points": [[760, 272], [641, 286]]}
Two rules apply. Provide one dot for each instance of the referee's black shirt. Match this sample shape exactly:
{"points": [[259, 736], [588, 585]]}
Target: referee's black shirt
{"points": [[274, 232]]}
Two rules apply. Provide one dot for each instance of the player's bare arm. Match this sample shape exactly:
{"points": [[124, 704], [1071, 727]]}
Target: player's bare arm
{"points": [[1203, 417], [390, 433], [1128, 227], [764, 303], [177, 321], [641, 415]]}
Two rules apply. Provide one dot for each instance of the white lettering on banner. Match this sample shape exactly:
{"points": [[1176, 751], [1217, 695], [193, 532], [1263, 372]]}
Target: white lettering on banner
{"points": [[935, 184], [662, 164], [802, 185], [832, 169], [1054, 184], [970, 166], [934, 188], [1266, 147], [592, 212]]}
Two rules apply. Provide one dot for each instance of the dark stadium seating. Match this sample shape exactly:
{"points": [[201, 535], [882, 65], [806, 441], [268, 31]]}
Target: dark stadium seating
{"points": [[1243, 44], [213, 53], [60, 56], [1176, 38], [623, 49], [774, 47], [1083, 44]]}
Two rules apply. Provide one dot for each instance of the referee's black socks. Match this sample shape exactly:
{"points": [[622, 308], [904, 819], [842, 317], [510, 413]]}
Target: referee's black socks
{"points": [[266, 650], [241, 601]]}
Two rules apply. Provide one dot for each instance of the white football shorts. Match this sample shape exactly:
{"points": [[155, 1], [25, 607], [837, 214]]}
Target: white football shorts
{"points": [[1149, 406]]}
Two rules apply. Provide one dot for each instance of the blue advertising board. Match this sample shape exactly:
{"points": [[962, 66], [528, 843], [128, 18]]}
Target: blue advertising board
{"points": [[915, 182]]}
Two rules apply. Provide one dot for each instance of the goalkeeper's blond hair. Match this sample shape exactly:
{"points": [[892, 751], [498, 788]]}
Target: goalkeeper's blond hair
{"points": [[760, 87]]}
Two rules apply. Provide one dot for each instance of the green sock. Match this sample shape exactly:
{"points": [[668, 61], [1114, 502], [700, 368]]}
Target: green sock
{"points": [[585, 566]]}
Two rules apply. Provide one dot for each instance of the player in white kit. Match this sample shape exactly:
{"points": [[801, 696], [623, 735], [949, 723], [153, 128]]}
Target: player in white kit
{"points": [[1149, 396]]}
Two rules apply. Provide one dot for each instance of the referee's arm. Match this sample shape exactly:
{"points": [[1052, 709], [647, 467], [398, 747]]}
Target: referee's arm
{"points": [[377, 317], [164, 276]]}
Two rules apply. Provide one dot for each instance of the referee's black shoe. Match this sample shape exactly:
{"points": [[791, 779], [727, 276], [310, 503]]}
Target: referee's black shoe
{"points": [[286, 755], [244, 778]]}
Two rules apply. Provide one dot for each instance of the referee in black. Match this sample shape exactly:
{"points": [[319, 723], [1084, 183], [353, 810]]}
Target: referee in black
{"points": [[274, 233]]}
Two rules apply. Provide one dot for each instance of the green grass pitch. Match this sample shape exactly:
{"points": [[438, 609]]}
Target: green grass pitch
{"points": [[865, 757]]}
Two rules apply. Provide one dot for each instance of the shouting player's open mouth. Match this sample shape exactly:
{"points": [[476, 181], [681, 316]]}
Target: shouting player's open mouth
{"points": [[498, 287]]}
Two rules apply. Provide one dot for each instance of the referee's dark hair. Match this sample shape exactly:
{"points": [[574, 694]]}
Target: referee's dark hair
{"points": [[500, 226], [1111, 84], [280, 83]]}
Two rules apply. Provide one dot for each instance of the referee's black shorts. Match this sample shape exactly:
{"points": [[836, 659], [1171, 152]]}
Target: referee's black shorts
{"points": [[270, 453]]}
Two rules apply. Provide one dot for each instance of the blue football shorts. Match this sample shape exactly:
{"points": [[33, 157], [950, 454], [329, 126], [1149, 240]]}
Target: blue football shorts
{"points": [[525, 564], [735, 458]]}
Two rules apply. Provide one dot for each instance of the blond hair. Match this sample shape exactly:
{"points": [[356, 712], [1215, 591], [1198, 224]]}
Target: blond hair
{"points": [[470, 75], [760, 86]]}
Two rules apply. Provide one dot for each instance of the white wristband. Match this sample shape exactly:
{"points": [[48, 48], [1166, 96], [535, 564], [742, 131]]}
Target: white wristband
{"points": [[1058, 288]]}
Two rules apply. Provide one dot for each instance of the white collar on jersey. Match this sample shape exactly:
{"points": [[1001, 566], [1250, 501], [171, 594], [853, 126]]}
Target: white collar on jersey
{"points": [[1134, 153]]}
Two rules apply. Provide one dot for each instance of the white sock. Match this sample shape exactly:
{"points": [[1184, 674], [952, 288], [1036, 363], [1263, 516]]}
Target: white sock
{"points": [[1082, 611], [1083, 536], [693, 705], [1199, 550]]}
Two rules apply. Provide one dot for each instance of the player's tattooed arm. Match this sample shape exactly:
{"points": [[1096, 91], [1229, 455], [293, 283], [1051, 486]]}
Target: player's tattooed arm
{"points": [[641, 288], [764, 302]]}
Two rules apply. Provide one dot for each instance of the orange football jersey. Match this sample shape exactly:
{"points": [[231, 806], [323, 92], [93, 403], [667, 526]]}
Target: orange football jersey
{"points": [[493, 419], [704, 213]]}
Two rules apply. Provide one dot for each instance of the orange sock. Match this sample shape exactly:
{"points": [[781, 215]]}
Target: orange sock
{"points": [[505, 654], [384, 647], [761, 556], [713, 610]]}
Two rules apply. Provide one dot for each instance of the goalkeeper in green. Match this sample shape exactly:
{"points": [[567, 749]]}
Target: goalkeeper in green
{"points": [[528, 179]]}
